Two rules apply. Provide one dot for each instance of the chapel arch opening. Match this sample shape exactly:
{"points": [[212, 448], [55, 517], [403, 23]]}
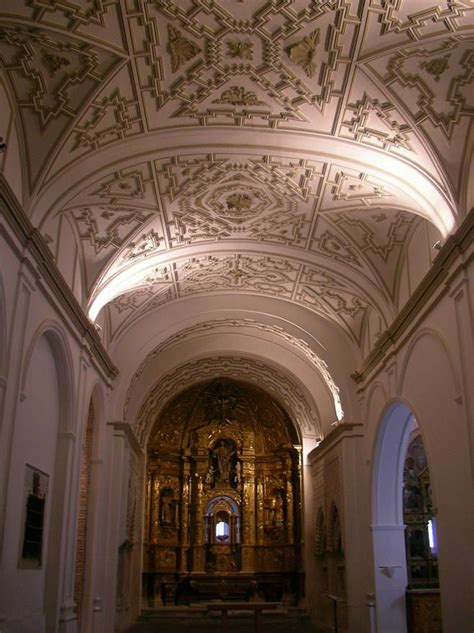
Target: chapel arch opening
{"points": [[403, 529], [223, 513]]}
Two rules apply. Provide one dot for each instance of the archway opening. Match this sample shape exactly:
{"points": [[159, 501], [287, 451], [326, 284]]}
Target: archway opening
{"points": [[423, 599], [223, 503], [405, 559]]}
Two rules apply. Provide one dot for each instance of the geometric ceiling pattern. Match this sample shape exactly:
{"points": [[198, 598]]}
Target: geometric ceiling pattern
{"points": [[289, 150]]}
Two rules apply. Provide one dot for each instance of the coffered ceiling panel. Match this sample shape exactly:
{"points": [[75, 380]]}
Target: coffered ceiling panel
{"points": [[257, 64], [289, 149], [53, 76]]}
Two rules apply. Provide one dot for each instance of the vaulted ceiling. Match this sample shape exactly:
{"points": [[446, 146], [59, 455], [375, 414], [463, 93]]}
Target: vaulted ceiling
{"points": [[282, 148]]}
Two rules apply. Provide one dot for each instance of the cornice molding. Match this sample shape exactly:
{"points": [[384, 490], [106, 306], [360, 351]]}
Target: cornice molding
{"points": [[433, 286], [126, 429], [340, 432], [33, 242]]}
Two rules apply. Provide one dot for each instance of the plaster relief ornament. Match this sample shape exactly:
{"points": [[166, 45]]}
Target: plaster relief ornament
{"points": [[238, 204], [238, 95], [54, 63], [436, 67], [304, 52], [240, 48], [181, 50]]}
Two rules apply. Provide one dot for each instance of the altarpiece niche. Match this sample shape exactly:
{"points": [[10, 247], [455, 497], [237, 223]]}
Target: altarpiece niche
{"points": [[223, 503]]}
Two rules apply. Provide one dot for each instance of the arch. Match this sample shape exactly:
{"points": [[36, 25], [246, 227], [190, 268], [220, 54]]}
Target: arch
{"points": [[388, 530], [52, 332], [441, 344], [375, 403], [64, 367], [91, 434], [228, 450], [45, 405], [97, 398], [298, 344], [431, 386], [286, 391]]}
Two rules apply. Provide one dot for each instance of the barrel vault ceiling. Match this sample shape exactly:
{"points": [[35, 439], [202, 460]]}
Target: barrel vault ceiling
{"points": [[284, 148]]}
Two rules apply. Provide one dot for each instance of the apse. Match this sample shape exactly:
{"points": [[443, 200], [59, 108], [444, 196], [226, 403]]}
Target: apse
{"points": [[223, 498]]}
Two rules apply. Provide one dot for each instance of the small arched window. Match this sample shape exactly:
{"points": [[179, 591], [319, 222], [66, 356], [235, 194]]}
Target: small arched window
{"points": [[222, 521], [222, 527]]}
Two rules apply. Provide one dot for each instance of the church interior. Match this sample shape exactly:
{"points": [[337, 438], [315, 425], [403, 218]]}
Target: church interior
{"points": [[236, 316]]}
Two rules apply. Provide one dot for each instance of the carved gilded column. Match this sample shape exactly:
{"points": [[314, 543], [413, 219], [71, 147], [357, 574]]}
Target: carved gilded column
{"points": [[248, 517], [260, 513], [289, 503], [199, 522], [185, 502], [155, 511], [298, 503], [147, 535]]}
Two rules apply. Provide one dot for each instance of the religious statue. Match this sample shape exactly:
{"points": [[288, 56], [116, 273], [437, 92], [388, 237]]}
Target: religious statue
{"points": [[223, 453], [209, 478], [238, 474], [167, 509], [276, 510]]}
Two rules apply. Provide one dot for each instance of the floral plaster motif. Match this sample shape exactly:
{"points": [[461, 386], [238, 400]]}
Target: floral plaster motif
{"points": [[304, 52]]}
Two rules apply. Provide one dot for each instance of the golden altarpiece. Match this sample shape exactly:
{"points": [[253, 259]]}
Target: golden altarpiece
{"points": [[223, 502]]}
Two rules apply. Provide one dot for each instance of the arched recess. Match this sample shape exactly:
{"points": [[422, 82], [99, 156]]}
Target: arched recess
{"points": [[224, 493], [388, 529], [56, 587], [39, 475], [226, 326], [430, 383], [292, 395], [87, 531]]}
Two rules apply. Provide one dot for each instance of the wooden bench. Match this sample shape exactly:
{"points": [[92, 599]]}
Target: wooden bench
{"points": [[256, 607]]}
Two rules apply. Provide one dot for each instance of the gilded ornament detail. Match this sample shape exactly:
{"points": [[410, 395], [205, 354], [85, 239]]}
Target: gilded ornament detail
{"points": [[304, 52], [436, 67], [54, 63], [238, 95], [239, 203], [181, 50], [243, 49]]}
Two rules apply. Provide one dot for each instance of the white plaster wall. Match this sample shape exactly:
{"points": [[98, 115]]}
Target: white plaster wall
{"points": [[32, 311], [34, 443], [432, 373], [418, 258]]}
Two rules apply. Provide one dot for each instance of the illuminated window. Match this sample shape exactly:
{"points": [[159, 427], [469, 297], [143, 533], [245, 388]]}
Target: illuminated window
{"points": [[432, 535], [222, 530]]}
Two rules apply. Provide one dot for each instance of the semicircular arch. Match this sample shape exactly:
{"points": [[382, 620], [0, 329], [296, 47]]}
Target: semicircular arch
{"points": [[293, 397], [57, 339]]}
